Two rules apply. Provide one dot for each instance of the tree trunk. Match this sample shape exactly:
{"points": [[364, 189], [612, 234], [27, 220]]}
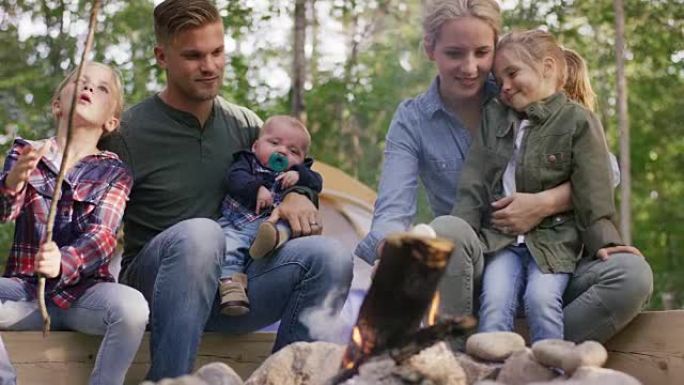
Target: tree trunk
{"points": [[299, 60], [623, 124]]}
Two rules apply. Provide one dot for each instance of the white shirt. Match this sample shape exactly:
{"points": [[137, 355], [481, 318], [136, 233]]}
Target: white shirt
{"points": [[509, 173]]}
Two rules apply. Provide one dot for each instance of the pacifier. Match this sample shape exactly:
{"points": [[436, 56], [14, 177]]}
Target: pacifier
{"points": [[277, 162]]}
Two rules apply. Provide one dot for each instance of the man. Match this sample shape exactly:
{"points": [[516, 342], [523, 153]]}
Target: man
{"points": [[179, 144]]}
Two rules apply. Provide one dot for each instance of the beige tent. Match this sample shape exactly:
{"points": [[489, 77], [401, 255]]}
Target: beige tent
{"points": [[346, 207]]}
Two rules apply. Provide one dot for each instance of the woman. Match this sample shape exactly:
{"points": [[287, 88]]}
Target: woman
{"points": [[429, 137]]}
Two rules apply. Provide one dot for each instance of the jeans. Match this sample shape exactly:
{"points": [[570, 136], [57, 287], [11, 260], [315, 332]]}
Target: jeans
{"points": [[178, 272], [601, 297], [510, 274], [239, 238], [110, 309], [7, 374]]}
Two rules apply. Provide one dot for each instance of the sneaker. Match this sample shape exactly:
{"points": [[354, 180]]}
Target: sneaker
{"points": [[233, 291], [267, 239]]}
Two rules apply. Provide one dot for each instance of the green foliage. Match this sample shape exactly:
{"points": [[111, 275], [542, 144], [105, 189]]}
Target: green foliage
{"points": [[350, 104]]}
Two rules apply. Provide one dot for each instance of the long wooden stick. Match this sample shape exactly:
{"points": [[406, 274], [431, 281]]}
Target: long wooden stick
{"points": [[63, 167]]}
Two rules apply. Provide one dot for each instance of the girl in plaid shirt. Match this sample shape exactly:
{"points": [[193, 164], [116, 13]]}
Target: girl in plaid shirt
{"points": [[81, 293]]}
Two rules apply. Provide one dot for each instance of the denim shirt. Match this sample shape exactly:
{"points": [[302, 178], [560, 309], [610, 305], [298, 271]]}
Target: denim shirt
{"points": [[424, 140]]}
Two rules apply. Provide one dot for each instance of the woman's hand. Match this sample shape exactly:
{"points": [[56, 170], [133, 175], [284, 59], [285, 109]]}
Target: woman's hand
{"points": [[518, 213], [300, 214], [27, 162], [48, 260], [604, 253]]}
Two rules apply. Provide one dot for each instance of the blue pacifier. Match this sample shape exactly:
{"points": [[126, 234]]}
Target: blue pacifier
{"points": [[277, 162]]}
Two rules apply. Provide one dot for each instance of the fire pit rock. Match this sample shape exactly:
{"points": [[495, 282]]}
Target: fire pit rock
{"points": [[521, 368], [301, 363], [215, 373], [494, 346]]}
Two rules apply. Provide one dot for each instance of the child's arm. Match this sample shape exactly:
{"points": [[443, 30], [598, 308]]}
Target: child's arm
{"points": [[95, 245], [242, 183], [592, 191], [19, 164]]}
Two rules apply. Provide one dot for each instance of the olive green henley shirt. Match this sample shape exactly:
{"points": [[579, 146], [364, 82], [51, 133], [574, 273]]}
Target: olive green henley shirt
{"points": [[178, 166]]}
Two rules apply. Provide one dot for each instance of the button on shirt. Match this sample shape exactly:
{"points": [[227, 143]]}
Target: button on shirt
{"points": [[89, 213], [424, 140]]}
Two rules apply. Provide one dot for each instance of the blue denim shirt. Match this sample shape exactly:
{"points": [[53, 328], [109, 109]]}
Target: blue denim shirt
{"points": [[426, 140]]}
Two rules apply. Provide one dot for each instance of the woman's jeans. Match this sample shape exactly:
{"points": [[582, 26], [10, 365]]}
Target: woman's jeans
{"points": [[511, 275], [178, 272], [117, 312]]}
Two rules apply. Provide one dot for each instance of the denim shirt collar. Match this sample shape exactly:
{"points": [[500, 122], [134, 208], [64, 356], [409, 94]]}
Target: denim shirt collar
{"points": [[431, 101]]}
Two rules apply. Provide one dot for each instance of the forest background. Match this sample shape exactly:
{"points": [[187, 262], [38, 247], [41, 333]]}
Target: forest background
{"points": [[359, 59]]}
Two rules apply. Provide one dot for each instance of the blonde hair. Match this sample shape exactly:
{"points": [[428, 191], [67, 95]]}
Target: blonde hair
{"points": [[174, 16], [577, 84], [535, 45], [438, 12], [289, 121], [117, 86]]}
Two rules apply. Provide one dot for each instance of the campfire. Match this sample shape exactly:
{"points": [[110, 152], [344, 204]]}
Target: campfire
{"points": [[402, 294]]}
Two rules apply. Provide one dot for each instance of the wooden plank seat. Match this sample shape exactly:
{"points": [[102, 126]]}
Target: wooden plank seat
{"points": [[650, 348]]}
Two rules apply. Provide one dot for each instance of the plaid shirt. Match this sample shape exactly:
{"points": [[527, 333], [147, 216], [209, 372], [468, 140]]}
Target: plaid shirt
{"points": [[89, 212]]}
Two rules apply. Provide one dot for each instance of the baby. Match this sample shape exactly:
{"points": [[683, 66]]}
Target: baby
{"points": [[257, 182]]}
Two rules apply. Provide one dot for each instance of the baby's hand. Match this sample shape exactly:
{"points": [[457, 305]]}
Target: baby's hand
{"points": [[288, 179], [27, 162], [48, 260], [264, 199]]}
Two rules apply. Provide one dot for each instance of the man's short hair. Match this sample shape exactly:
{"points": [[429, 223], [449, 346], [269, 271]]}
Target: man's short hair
{"points": [[174, 16]]}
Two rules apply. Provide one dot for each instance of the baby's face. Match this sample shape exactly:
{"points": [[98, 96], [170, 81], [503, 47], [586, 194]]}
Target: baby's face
{"points": [[284, 139]]}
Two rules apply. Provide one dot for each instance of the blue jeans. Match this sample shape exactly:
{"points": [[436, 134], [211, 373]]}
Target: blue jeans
{"points": [[178, 272], [110, 309], [7, 374], [510, 274], [239, 238]]}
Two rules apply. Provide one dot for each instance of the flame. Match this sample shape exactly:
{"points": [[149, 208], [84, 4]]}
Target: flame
{"points": [[434, 308], [356, 336]]}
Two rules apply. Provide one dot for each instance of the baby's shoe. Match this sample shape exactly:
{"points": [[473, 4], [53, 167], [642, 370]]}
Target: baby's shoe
{"points": [[268, 238], [233, 291]]}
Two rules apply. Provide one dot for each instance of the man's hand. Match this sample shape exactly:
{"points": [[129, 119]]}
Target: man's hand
{"points": [[300, 213], [264, 199], [27, 162], [518, 213], [604, 253], [48, 260], [288, 179]]}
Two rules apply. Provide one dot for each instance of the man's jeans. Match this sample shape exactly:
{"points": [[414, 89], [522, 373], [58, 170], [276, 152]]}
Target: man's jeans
{"points": [[512, 274], [7, 373], [601, 297], [178, 272], [116, 311]]}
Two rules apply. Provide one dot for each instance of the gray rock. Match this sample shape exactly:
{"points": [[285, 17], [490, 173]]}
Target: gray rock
{"points": [[494, 346], [183, 380], [477, 370], [521, 368], [218, 373], [552, 352], [301, 363], [438, 364], [588, 353], [489, 382], [589, 375]]}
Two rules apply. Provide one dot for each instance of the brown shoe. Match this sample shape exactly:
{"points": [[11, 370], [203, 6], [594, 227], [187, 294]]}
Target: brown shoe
{"points": [[234, 301], [267, 239]]}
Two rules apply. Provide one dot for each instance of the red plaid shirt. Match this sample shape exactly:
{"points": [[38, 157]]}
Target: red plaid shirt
{"points": [[89, 212]]}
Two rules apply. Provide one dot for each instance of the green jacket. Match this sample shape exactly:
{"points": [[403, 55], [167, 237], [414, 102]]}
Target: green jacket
{"points": [[563, 142]]}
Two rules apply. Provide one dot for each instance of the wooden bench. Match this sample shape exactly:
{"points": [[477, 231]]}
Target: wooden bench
{"points": [[651, 348]]}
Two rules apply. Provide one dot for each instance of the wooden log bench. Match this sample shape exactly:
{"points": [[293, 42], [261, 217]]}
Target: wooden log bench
{"points": [[650, 348]]}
